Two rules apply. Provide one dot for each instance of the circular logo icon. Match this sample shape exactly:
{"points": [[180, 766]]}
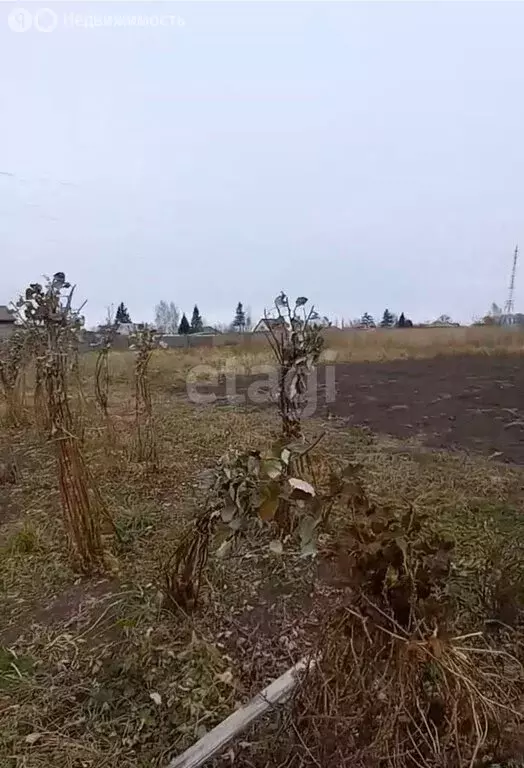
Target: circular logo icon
{"points": [[45, 20], [20, 20]]}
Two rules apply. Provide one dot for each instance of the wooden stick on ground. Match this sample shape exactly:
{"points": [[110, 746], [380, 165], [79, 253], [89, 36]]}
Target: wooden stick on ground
{"points": [[217, 739]]}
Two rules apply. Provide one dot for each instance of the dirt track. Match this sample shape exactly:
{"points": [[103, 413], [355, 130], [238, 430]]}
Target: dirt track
{"points": [[474, 403]]}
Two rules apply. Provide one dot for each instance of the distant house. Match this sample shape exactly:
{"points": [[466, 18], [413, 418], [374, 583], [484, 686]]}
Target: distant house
{"points": [[267, 323], [7, 322], [124, 329], [127, 329], [207, 330], [443, 324]]}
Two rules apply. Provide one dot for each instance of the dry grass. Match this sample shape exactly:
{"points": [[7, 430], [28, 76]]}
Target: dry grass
{"points": [[413, 343], [382, 696], [400, 680], [98, 650], [169, 368], [93, 672]]}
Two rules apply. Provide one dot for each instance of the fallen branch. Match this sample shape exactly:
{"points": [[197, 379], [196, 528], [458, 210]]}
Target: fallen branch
{"points": [[217, 739]]}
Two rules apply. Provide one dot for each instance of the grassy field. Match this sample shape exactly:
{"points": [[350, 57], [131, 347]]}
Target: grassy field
{"points": [[171, 367], [94, 671], [393, 343]]}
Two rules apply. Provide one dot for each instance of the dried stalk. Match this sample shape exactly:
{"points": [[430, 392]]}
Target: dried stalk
{"points": [[102, 380], [13, 361], [54, 325], [76, 380], [145, 341], [39, 396], [183, 570], [296, 341], [421, 699]]}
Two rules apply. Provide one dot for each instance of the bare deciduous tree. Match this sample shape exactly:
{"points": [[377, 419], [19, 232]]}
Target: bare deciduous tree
{"points": [[167, 317]]}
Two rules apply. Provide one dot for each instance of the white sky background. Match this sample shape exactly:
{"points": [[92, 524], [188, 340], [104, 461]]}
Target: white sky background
{"points": [[364, 155]]}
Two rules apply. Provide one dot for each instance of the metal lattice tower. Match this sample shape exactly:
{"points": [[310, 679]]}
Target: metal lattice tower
{"points": [[509, 305]]}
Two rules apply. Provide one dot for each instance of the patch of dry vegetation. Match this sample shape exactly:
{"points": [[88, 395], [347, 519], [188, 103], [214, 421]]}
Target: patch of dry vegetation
{"points": [[169, 369], [400, 678], [95, 672], [418, 343]]}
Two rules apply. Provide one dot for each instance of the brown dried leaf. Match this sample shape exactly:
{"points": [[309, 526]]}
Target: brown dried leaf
{"points": [[268, 508]]}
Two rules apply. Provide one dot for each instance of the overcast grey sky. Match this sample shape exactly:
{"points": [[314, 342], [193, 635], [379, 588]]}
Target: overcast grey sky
{"points": [[364, 155]]}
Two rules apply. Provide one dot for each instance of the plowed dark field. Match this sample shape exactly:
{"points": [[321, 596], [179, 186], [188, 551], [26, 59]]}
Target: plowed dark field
{"points": [[473, 403]]}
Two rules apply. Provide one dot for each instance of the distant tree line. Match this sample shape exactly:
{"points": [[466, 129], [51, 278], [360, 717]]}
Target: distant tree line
{"points": [[389, 320], [169, 320]]}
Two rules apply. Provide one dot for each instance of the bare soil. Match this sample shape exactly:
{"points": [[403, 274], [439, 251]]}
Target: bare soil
{"points": [[470, 403]]}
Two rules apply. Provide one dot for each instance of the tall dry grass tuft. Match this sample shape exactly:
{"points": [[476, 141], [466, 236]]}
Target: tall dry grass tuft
{"points": [[49, 317]]}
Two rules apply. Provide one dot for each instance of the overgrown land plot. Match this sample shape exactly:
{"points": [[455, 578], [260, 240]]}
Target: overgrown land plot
{"points": [[391, 550]]}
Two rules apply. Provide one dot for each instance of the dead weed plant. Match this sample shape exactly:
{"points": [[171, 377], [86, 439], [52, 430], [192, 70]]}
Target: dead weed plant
{"points": [[397, 683], [54, 323], [13, 363], [245, 493], [296, 339], [145, 342]]}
